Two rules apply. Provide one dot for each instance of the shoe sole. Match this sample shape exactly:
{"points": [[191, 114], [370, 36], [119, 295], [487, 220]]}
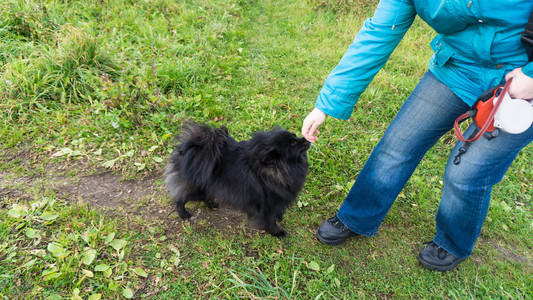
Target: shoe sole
{"points": [[433, 267], [334, 242]]}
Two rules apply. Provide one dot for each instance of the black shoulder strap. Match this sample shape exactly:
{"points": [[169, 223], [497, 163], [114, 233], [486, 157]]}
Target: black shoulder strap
{"points": [[527, 38]]}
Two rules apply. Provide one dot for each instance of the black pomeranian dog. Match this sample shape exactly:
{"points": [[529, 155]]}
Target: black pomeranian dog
{"points": [[261, 176]]}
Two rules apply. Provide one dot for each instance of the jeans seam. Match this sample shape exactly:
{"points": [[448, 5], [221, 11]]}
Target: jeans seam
{"points": [[479, 204], [444, 242]]}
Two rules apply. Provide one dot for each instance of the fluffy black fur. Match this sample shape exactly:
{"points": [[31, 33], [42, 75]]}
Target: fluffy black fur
{"points": [[261, 176]]}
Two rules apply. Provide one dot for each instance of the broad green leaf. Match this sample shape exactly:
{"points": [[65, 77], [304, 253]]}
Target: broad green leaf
{"points": [[118, 244], [177, 261], [110, 237], [50, 274], [330, 269], [127, 293], [48, 216], [88, 273], [108, 272], [95, 297], [139, 272], [76, 294], [173, 249], [56, 249], [32, 233], [157, 159], [88, 256], [17, 211], [86, 237], [140, 166], [163, 263], [102, 268], [337, 282], [313, 266], [49, 271]]}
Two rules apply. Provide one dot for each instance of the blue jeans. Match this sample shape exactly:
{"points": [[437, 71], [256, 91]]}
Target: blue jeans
{"points": [[427, 114]]}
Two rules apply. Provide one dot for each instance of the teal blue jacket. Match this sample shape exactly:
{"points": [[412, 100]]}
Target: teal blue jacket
{"points": [[477, 43]]}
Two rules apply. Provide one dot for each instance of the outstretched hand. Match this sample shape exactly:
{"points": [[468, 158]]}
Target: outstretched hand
{"points": [[522, 85], [311, 123]]}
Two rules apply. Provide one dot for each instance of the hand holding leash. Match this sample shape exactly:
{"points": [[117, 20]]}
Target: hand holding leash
{"points": [[522, 86]]}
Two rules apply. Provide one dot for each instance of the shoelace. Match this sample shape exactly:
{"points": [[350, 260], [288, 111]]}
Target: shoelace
{"points": [[441, 252], [338, 224]]}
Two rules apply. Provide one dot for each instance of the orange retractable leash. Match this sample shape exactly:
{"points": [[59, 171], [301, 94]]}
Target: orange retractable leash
{"points": [[485, 108], [482, 112]]}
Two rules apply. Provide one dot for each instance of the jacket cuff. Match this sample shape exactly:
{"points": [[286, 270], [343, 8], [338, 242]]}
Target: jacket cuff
{"points": [[528, 69], [335, 104]]}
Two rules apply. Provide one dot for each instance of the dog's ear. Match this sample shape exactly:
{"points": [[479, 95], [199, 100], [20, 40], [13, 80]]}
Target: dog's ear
{"points": [[221, 134], [223, 129], [268, 155]]}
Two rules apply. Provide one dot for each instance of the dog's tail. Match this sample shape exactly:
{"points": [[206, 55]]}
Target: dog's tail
{"points": [[198, 152]]}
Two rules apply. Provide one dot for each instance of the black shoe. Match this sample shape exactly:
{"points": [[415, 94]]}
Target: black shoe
{"points": [[437, 258], [333, 232]]}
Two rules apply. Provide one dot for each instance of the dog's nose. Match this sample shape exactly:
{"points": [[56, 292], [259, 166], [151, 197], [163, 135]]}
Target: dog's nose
{"points": [[306, 145]]}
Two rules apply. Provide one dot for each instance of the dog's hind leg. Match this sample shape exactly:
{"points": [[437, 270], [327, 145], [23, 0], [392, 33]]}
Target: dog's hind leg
{"points": [[210, 203], [179, 202], [182, 199]]}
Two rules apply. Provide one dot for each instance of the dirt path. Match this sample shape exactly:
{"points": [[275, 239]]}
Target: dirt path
{"points": [[145, 198]]}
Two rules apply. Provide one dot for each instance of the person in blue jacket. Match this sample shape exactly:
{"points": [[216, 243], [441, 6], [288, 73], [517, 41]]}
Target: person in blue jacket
{"points": [[477, 46]]}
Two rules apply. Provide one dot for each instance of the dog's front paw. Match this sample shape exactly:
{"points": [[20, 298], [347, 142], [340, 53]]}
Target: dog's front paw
{"points": [[211, 204], [185, 215], [281, 233]]}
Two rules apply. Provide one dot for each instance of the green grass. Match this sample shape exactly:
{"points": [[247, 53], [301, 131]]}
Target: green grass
{"points": [[94, 86]]}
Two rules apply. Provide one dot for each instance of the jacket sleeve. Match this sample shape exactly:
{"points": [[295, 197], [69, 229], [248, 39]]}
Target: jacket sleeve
{"points": [[528, 69], [368, 53]]}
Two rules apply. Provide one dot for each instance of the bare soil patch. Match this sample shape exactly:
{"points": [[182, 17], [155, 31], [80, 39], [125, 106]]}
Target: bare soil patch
{"points": [[145, 198]]}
